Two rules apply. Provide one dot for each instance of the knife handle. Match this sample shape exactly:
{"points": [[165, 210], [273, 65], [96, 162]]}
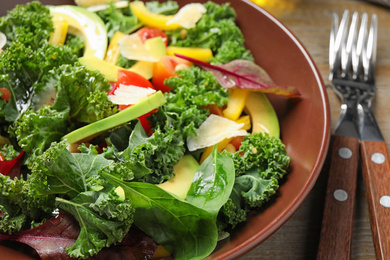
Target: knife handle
{"points": [[376, 174], [337, 221]]}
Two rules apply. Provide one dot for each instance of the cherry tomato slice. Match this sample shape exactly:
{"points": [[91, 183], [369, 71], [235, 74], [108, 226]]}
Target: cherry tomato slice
{"points": [[166, 68], [127, 77], [150, 32], [6, 94]]}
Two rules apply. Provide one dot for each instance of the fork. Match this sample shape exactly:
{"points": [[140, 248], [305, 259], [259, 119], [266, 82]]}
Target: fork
{"points": [[374, 153], [352, 61], [337, 221]]}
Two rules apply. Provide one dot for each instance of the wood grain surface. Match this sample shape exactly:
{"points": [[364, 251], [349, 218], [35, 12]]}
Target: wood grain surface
{"points": [[310, 21]]}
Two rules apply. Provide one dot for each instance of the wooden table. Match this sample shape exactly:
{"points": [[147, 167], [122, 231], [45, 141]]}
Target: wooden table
{"points": [[310, 21]]}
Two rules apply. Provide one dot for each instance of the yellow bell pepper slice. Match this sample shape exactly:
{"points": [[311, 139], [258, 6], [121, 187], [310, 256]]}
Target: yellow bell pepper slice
{"points": [[58, 36], [161, 252], [113, 52], [247, 122], [220, 146], [236, 103], [151, 19], [202, 54]]}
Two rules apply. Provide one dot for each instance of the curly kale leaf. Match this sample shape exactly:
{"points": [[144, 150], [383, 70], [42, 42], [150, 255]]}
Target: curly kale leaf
{"points": [[192, 91], [85, 92], [165, 8], [215, 30], [22, 71], [66, 172], [28, 24], [75, 180], [76, 45], [35, 131], [104, 220], [119, 19], [21, 207], [151, 158], [8, 152], [260, 163], [263, 152]]}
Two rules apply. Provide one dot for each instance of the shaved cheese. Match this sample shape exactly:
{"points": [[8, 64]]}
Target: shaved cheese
{"points": [[3, 40], [213, 130], [130, 95], [188, 15]]}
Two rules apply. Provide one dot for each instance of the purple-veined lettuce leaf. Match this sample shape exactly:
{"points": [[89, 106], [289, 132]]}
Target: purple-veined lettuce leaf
{"points": [[51, 239], [244, 74]]}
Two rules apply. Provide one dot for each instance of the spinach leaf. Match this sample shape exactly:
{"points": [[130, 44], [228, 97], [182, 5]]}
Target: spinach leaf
{"points": [[185, 230], [213, 183]]}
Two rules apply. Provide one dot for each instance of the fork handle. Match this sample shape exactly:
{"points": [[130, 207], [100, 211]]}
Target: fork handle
{"points": [[337, 221], [376, 174]]}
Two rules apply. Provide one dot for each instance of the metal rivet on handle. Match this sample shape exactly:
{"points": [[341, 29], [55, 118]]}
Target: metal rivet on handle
{"points": [[345, 153], [385, 201], [378, 158], [340, 195]]}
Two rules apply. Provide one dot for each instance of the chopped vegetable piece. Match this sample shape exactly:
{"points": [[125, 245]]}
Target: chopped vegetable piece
{"points": [[165, 69], [151, 19], [236, 103], [5, 94], [86, 25], [244, 74], [146, 33], [152, 102], [113, 51], [126, 77], [202, 54], [131, 47], [58, 37]]}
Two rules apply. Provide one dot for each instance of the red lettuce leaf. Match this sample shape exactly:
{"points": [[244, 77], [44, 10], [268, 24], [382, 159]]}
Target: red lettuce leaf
{"points": [[244, 74], [51, 239], [12, 167]]}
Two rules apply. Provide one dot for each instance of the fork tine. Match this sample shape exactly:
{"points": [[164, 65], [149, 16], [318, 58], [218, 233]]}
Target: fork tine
{"points": [[346, 57], [332, 51], [358, 48], [339, 34], [369, 57]]}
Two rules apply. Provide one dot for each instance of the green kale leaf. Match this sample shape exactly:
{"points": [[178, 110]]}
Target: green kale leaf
{"points": [[119, 19], [216, 30], [151, 158], [192, 91], [103, 218], [28, 24], [260, 163], [66, 172]]}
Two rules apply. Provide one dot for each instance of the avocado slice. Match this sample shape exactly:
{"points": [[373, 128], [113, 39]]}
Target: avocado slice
{"points": [[262, 113], [133, 112], [86, 25], [184, 171]]}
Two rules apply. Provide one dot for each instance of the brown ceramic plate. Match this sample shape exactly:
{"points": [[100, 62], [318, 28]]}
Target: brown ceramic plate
{"points": [[305, 122]]}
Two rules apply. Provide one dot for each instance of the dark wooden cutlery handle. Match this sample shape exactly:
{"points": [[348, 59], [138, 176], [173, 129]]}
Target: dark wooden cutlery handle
{"points": [[337, 221], [376, 174]]}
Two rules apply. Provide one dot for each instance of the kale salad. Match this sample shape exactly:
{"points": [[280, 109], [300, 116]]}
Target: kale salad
{"points": [[132, 130]]}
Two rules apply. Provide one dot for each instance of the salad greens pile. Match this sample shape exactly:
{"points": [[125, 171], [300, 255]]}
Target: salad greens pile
{"points": [[52, 94]]}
